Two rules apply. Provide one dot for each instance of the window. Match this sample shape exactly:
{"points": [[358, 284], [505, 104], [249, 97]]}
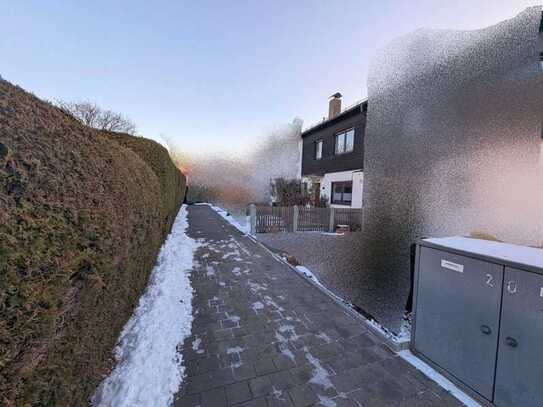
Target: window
{"points": [[345, 141], [318, 150], [342, 192], [340, 143], [349, 141]]}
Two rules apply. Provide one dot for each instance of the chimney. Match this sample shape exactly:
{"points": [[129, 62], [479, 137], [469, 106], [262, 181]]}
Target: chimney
{"points": [[335, 105]]}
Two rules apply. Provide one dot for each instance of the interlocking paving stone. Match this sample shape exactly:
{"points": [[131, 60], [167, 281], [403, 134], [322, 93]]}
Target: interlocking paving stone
{"points": [[214, 398], [188, 401], [260, 402], [282, 380], [303, 396], [346, 381], [340, 402], [238, 393], [264, 366], [262, 336], [261, 386]]}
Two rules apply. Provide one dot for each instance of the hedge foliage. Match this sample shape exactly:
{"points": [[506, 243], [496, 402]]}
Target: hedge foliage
{"points": [[82, 217]]}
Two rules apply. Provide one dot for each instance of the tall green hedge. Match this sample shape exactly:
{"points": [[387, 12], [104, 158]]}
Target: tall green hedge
{"points": [[82, 217], [172, 181]]}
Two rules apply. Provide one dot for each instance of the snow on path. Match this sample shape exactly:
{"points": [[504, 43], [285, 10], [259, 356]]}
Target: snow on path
{"points": [[245, 229], [149, 368]]}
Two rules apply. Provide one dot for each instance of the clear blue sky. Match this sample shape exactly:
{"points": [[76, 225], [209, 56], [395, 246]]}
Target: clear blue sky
{"points": [[215, 74]]}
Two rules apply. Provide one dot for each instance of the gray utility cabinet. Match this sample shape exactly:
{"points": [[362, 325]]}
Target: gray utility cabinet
{"points": [[478, 317]]}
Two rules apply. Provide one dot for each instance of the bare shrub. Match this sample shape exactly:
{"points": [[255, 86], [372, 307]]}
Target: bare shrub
{"points": [[94, 116]]}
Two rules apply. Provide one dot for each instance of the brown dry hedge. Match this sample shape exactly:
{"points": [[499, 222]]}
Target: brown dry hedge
{"points": [[82, 217]]}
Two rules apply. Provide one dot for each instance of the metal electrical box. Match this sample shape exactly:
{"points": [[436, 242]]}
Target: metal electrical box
{"points": [[519, 374], [478, 317]]}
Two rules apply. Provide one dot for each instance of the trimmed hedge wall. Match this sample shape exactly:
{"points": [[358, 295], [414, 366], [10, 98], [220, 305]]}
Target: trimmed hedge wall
{"points": [[82, 217], [172, 181]]}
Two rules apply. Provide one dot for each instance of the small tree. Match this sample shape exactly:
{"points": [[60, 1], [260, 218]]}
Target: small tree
{"points": [[92, 115], [289, 192], [322, 202]]}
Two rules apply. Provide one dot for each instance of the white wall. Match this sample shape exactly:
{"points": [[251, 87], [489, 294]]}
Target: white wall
{"points": [[358, 187], [357, 177]]}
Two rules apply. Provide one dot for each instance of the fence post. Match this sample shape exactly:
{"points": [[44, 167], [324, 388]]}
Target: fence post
{"points": [[332, 219], [295, 219], [252, 213]]}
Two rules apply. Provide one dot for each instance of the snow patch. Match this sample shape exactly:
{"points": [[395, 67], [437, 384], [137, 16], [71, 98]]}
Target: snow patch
{"points": [[320, 375], [257, 306], [233, 318], [403, 336], [283, 341], [277, 394], [307, 273], [284, 349], [255, 287], [324, 337], [325, 233], [236, 349], [243, 248], [149, 368], [210, 271], [327, 401], [290, 330], [196, 346], [504, 251], [230, 219], [270, 302]]}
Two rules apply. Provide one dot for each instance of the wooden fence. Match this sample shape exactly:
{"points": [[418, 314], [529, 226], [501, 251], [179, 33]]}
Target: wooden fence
{"points": [[270, 219], [273, 219]]}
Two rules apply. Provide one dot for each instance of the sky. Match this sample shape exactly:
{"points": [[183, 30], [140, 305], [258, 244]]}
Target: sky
{"points": [[215, 75]]}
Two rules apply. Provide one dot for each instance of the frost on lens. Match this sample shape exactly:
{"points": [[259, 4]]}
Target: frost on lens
{"points": [[453, 146], [235, 180]]}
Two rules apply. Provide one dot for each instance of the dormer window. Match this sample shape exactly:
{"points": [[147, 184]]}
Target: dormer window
{"points": [[345, 142], [318, 150]]}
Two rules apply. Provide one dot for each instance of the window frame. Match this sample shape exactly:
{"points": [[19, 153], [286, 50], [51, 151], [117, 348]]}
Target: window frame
{"points": [[342, 201], [317, 143], [343, 135]]}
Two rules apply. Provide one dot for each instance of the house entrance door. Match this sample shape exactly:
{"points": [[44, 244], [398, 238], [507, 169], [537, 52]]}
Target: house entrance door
{"points": [[317, 187]]}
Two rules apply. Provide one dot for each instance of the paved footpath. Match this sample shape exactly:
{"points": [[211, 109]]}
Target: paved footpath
{"points": [[262, 336]]}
